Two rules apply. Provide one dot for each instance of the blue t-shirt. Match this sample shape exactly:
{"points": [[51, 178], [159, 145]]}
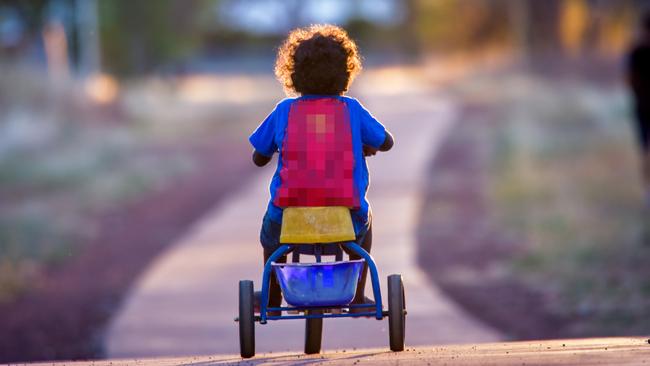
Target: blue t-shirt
{"points": [[366, 130]]}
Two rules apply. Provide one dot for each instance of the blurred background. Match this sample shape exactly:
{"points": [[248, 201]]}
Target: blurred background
{"points": [[122, 122]]}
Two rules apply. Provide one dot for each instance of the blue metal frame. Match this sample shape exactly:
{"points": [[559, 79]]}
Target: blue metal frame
{"points": [[354, 247], [266, 278]]}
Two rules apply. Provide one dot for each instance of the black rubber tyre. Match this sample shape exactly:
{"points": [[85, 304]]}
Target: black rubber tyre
{"points": [[246, 319], [313, 334], [396, 313]]}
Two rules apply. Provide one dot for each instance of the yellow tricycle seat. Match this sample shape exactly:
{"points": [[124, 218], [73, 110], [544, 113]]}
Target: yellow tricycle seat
{"points": [[314, 225]]}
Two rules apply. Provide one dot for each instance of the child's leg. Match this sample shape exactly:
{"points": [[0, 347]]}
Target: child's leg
{"points": [[275, 295], [366, 244], [270, 239]]}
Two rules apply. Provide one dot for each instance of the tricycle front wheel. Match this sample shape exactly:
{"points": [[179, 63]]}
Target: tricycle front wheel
{"points": [[246, 319], [396, 313]]}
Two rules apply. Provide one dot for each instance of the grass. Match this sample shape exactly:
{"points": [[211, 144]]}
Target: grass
{"points": [[64, 161], [48, 190], [564, 177]]}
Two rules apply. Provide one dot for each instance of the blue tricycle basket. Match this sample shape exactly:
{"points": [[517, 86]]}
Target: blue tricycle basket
{"points": [[318, 284]]}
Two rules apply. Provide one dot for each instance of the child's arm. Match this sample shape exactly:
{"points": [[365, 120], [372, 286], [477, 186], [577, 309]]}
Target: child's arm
{"points": [[374, 136], [263, 140], [385, 146], [260, 159]]}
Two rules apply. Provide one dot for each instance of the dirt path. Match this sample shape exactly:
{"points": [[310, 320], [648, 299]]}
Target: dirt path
{"points": [[456, 210], [595, 351], [501, 181], [186, 301], [82, 295]]}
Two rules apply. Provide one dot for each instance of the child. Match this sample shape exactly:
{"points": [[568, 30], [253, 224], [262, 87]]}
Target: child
{"points": [[322, 138]]}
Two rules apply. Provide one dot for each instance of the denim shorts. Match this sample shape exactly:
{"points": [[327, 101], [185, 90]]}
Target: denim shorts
{"points": [[270, 234]]}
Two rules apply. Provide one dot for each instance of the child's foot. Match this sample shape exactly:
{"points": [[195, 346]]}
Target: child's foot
{"points": [[256, 302], [257, 305]]}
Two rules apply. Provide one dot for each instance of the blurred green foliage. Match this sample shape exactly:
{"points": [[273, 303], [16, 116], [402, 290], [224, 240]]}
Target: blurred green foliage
{"points": [[142, 36], [565, 179], [31, 11], [458, 24], [532, 27], [159, 36]]}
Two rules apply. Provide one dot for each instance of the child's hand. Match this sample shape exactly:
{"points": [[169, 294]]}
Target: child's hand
{"points": [[259, 159], [369, 150]]}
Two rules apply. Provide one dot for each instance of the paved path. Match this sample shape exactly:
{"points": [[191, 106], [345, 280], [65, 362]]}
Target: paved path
{"points": [[594, 351], [186, 301]]}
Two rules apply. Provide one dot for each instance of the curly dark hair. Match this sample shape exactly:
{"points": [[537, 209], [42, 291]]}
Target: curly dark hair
{"points": [[319, 59]]}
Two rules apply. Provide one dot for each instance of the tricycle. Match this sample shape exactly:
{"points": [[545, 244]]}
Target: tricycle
{"points": [[319, 289]]}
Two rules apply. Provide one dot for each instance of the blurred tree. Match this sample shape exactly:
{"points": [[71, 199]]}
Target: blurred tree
{"points": [[534, 27], [373, 37], [38, 17], [543, 27], [573, 24], [142, 36], [32, 12], [461, 24], [617, 25]]}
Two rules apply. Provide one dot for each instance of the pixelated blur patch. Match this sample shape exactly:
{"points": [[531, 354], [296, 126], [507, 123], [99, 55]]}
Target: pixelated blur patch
{"points": [[317, 157]]}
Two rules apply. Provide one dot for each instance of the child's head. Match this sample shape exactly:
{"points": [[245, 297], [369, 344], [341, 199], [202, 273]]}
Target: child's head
{"points": [[320, 59]]}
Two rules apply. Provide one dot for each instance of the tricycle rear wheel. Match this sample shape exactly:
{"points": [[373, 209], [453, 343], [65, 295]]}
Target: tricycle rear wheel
{"points": [[246, 319], [396, 313], [313, 333]]}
